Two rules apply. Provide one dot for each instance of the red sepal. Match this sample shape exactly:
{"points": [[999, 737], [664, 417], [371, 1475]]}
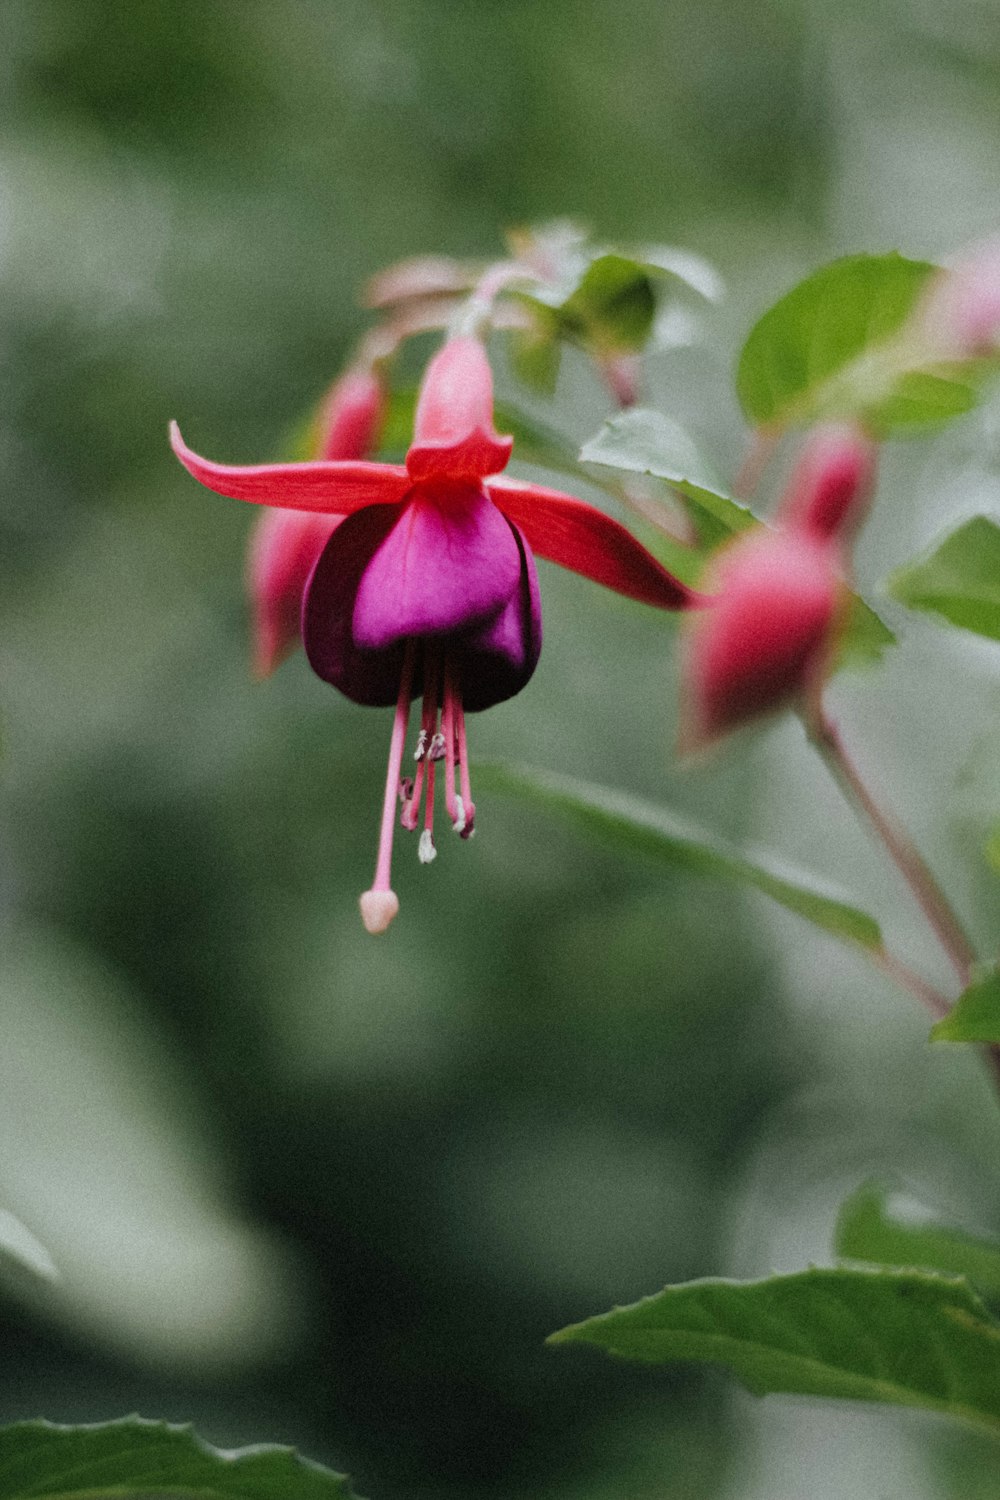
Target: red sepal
{"points": [[582, 538], [330, 487]]}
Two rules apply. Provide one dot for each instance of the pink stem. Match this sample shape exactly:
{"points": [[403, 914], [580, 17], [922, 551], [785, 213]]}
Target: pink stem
{"points": [[760, 450], [902, 851]]}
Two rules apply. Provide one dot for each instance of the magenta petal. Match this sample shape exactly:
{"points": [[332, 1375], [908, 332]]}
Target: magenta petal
{"points": [[366, 676], [497, 661], [450, 563]]}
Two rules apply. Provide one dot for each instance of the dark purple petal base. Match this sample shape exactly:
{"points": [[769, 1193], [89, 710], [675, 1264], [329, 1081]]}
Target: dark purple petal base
{"points": [[494, 653]]}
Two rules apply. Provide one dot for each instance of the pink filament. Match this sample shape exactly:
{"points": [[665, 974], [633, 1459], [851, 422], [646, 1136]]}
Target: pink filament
{"points": [[383, 868], [462, 755], [428, 724], [453, 726]]}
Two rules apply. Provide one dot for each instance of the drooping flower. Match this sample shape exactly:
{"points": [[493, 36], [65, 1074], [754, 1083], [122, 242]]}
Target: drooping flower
{"points": [[427, 586], [286, 543], [765, 638]]}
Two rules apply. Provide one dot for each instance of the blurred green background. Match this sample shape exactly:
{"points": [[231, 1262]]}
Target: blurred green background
{"points": [[308, 1187]]}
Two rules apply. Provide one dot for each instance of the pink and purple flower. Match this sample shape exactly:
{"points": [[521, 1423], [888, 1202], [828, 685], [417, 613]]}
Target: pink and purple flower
{"points": [[427, 585]]}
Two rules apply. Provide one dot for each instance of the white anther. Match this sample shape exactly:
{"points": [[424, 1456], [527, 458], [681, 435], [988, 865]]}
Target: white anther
{"points": [[437, 747], [459, 820], [425, 849], [418, 753]]}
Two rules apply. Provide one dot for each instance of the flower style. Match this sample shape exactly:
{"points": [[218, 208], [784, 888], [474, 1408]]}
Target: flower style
{"points": [[427, 586], [286, 543], [766, 636]]}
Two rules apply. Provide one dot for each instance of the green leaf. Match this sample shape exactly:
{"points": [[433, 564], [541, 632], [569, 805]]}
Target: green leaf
{"points": [[637, 827], [975, 1017], [612, 307], [605, 300], [866, 636], [921, 398], [137, 1458], [903, 1337], [641, 441], [696, 272], [868, 1230], [958, 579], [827, 348], [535, 353]]}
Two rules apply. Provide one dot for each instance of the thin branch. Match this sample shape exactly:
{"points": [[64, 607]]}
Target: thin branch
{"points": [[911, 864], [760, 450]]}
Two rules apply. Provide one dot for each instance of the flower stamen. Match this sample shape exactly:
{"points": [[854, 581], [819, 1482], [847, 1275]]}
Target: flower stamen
{"points": [[465, 776], [451, 714], [380, 904]]}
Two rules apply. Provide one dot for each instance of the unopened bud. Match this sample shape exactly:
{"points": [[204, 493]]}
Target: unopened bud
{"points": [[286, 543], [378, 908], [959, 316], [763, 639], [831, 485]]}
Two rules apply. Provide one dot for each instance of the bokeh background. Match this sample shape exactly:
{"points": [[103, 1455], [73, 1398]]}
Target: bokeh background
{"points": [[304, 1186]]}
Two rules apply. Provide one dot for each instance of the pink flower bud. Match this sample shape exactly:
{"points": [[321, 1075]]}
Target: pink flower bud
{"points": [[960, 314], [764, 638], [285, 544], [421, 276], [831, 485]]}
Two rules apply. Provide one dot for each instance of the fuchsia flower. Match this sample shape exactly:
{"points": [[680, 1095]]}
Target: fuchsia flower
{"points": [[427, 586], [766, 636], [286, 543]]}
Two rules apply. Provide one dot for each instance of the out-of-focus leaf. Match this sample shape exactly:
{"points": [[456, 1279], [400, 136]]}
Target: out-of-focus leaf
{"points": [[642, 828], [535, 352], [605, 300], [958, 579], [107, 1154], [611, 309], [696, 272], [20, 1245], [647, 442], [867, 1229], [975, 1017], [827, 347], [908, 1338], [137, 1458], [922, 398], [642, 441], [866, 637]]}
